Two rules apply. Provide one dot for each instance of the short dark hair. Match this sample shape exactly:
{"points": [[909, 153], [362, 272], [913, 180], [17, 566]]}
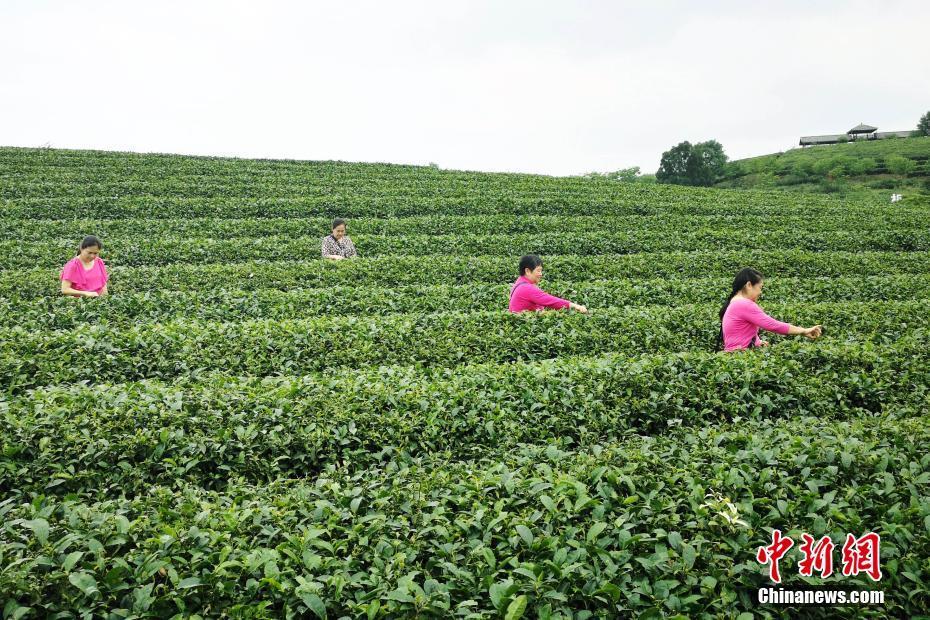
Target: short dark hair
{"points": [[530, 261], [90, 241], [337, 223]]}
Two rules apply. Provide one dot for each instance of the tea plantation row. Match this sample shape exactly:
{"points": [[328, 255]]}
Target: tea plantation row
{"points": [[105, 440], [391, 271], [267, 347], [313, 198], [147, 251], [652, 527], [49, 229], [219, 304]]}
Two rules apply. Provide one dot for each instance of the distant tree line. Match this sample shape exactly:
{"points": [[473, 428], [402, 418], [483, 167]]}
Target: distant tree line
{"points": [[624, 175]]}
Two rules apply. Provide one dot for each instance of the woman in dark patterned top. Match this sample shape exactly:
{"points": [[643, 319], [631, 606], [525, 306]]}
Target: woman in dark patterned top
{"points": [[337, 246]]}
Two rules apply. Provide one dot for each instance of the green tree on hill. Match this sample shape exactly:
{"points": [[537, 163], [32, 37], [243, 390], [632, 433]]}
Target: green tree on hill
{"points": [[686, 164], [923, 126], [674, 166]]}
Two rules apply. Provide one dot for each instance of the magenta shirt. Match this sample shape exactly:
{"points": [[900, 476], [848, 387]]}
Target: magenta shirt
{"points": [[524, 295], [81, 279], [741, 323]]}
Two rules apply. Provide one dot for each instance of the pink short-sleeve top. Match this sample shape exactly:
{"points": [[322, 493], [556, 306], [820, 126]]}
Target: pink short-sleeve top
{"points": [[82, 279]]}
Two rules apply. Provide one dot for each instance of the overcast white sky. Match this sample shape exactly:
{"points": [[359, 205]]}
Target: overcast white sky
{"points": [[550, 87]]}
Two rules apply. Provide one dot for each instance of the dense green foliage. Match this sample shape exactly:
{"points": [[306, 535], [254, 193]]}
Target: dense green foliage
{"points": [[245, 430], [560, 532], [700, 164]]}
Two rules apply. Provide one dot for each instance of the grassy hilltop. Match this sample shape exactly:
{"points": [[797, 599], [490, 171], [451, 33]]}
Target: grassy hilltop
{"points": [[244, 429], [901, 164]]}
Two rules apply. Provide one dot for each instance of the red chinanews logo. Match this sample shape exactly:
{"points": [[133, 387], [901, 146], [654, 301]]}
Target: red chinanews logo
{"points": [[860, 555]]}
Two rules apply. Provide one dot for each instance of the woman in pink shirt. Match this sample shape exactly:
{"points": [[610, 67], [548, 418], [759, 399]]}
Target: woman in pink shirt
{"points": [[741, 317], [85, 275], [526, 295]]}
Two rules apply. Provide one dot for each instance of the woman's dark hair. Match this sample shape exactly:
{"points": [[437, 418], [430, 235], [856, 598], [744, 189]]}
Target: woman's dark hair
{"points": [[530, 261], [337, 223], [747, 275], [90, 241]]}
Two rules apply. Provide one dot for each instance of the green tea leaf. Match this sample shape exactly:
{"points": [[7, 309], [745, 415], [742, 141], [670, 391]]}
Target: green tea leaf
{"points": [[516, 608], [71, 559], [85, 582], [39, 527], [189, 582], [314, 604]]}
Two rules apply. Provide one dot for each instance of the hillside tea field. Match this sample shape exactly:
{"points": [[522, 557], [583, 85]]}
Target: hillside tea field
{"points": [[896, 164], [245, 430]]}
